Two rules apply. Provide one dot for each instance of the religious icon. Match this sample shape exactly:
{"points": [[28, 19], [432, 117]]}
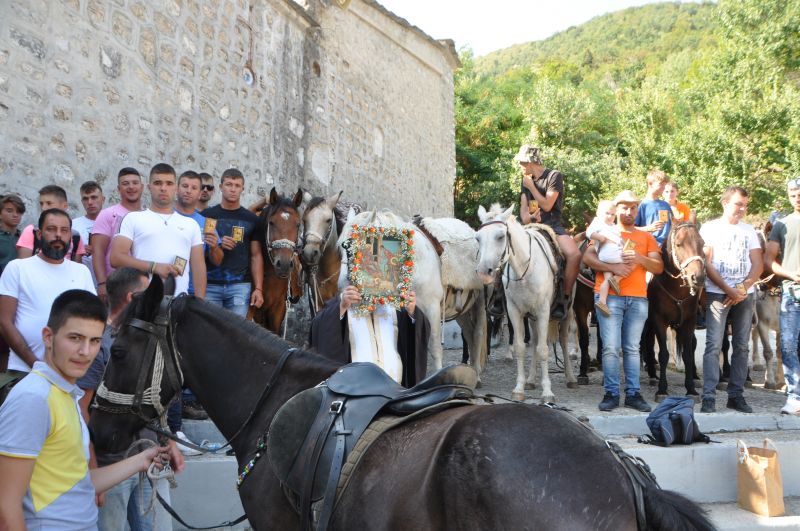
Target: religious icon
{"points": [[663, 215], [210, 226], [629, 246], [533, 206], [238, 234], [180, 263]]}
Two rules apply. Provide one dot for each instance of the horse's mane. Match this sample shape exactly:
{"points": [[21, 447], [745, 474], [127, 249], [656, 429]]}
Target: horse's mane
{"points": [[315, 202], [282, 202]]}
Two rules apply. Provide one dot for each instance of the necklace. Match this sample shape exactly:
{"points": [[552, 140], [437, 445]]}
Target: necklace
{"points": [[161, 216]]}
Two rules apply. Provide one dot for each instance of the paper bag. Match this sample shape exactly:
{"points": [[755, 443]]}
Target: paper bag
{"points": [[759, 479]]}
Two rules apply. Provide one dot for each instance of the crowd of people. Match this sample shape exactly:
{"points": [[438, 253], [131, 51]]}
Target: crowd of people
{"points": [[65, 283]]}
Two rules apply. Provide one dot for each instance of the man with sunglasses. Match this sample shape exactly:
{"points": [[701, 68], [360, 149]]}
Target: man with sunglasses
{"points": [[206, 191], [783, 256]]}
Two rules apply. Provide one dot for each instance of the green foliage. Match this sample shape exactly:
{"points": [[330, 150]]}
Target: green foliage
{"points": [[706, 92]]}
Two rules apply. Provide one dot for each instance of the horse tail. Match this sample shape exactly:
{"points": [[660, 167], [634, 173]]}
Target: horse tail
{"points": [[667, 510]]}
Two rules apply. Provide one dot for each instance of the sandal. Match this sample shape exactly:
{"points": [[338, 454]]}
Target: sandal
{"points": [[613, 283], [603, 308]]}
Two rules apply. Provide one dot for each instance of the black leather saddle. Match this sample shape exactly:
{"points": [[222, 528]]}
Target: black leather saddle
{"points": [[313, 433]]}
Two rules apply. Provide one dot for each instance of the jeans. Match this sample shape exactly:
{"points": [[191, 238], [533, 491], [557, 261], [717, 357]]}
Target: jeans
{"points": [[622, 330], [234, 297], [790, 328], [741, 317], [122, 506]]}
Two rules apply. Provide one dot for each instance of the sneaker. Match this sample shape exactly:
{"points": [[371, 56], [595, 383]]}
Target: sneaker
{"points": [[792, 406], [738, 403], [609, 402], [185, 450], [709, 406], [194, 411], [637, 402]]}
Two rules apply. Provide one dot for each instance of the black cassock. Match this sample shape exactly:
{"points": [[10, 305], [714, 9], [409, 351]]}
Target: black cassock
{"points": [[331, 338]]}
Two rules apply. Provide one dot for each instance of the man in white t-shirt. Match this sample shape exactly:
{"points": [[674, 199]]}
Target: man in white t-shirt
{"points": [[92, 200], [161, 241], [130, 188], [29, 286], [734, 261]]}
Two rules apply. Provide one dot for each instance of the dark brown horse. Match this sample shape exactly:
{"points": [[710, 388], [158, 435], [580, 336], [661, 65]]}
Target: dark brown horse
{"points": [[474, 467], [280, 222], [673, 300]]}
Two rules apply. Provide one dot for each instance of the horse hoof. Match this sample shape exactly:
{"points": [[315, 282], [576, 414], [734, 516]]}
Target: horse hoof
{"points": [[551, 399], [529, 385], [478, 384], [518, 396], [722, 386], [572, 385], [759, 367], [583, 380], [770, 386], [653, 381], [660, 397]]}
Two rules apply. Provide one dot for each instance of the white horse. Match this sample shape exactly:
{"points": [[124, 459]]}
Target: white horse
{"points": [[441, 289], [528, 266]]}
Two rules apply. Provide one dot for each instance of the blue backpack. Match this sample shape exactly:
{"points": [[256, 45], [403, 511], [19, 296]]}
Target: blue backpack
{"points": [[672, 422]]}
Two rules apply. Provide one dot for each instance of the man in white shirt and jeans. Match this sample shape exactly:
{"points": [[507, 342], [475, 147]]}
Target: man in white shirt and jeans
{"points": [[161, 241], [734, 261], [29, 286]]}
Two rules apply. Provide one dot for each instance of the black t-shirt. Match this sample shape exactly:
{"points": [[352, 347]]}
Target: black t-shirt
{"points": [[243, 226], [550, 180]]}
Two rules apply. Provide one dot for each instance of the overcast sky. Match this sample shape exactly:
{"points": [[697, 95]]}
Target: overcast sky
{"points": [[486, 26]]}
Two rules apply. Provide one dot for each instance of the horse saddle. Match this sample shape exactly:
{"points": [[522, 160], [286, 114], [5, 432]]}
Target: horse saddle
{"points": [[313, 433]]}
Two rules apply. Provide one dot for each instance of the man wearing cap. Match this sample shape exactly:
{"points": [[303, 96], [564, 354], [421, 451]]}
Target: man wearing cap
{"points": [[783, 257], [734, 261], [542, 200], [622, 329]]}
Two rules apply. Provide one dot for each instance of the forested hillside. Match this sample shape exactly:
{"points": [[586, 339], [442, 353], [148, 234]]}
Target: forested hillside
{"points": [[707, 92]]}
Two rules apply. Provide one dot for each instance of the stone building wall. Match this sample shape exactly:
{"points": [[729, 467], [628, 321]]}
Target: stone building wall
{"points": [[342, 98]]}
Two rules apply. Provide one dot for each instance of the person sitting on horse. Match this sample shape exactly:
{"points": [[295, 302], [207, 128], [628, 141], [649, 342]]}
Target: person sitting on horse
{"points": [[681, 212], [655, 214], [605, 232], [542, 201], [395, 340]]}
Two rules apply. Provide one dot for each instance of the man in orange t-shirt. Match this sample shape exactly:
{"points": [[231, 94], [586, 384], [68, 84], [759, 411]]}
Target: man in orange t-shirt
{"points": [[622, 329]]}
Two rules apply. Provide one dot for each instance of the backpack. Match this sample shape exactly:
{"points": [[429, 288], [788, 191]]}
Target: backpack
{"points": [[7, 382], [672, 422]]}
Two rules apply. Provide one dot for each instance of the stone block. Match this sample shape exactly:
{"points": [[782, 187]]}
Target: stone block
{"points": [[165, 76], [111, 94], [138, 10], [89, 125], [3, 83], [32, 11], [33, 45], [121, 123], [33, 96], [189, 45], [61, 114], [186, 67], [57, 142], [208, 30], [31, 71], [97, 12], [164, 24], [61, 65], [110, 61], [174, 8], [167, 54], [185, 98], [75, 5], [64, 90], [122, 27], [4, 112], [147, 46], [63, 173]]}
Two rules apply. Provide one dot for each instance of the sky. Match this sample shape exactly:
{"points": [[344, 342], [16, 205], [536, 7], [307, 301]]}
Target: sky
{"points": [[486, 26]]}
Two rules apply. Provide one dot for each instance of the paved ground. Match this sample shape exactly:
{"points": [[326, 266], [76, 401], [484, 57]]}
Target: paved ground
{"points": [[499, 378]]}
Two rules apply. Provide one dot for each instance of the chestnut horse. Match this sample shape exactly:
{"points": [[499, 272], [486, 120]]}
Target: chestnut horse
{"points": [[673, 297], [280, 223], [473, 467]]}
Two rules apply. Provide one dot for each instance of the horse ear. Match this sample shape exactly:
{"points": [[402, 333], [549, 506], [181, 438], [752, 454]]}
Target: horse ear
{"points": [[332, 200], [273, 197], [151, 299], [307, 197], [298, 198], [481, 213], [351, 215]]}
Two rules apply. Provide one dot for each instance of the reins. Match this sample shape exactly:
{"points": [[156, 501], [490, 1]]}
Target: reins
{"points": [[682, 265], [509, 251]]}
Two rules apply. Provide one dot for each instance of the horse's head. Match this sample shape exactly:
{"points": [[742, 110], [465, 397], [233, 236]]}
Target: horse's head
{"points": [[143, 374], [281, 222], [319, 222], [684, 248], [493, 241]]}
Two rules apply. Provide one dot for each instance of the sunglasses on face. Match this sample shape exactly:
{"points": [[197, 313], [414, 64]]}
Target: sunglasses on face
{"points": [[208, 187]]}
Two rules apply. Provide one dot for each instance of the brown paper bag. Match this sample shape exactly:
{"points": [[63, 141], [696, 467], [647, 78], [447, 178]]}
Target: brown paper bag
{"points": [[759, 479]]}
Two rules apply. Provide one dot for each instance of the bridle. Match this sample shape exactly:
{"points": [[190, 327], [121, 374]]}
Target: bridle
{"points": [[161, 337], [509, 250], [682, 275], [280, 244], [318, 239]]}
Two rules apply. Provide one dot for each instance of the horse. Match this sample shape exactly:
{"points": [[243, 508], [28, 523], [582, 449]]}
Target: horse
{"points": [[767, 318], [582, 307], [528, 263], [280, 225], [319, 253], [673, 299], [469, 467], [444, 285]]}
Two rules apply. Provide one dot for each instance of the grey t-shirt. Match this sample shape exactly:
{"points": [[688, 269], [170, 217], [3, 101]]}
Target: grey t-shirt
{"points": [[92, 379], [786, 232]]}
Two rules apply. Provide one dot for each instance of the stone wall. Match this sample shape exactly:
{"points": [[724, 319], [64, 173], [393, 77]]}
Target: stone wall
{"points": [[352, 98]]}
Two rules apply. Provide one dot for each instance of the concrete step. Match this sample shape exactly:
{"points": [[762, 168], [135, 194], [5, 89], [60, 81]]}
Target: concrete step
{"points": [[720, 422], [706, 473], [730, 517]]}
